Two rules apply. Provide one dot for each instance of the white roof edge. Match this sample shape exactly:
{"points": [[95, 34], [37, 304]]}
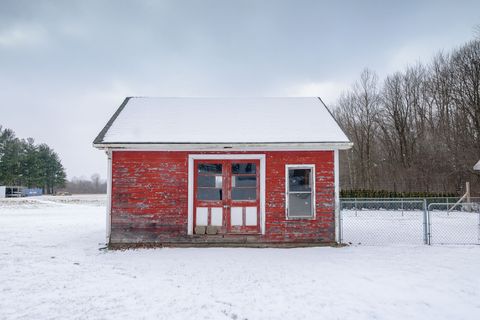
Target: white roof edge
{"points": [[227, 146]]}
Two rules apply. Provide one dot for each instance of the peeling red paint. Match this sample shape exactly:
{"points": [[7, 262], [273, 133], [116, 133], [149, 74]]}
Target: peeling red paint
{"points": [[150, 199]]}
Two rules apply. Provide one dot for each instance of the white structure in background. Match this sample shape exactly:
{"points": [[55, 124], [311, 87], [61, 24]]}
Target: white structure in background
{"points": [[476, 167], [3, 191], [466, 197]]}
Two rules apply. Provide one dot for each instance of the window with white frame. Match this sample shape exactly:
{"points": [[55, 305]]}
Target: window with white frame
{"points": [[300, 187]]}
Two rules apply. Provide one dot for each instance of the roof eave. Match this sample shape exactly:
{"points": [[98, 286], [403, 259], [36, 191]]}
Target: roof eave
{"points": [[216, 146]]}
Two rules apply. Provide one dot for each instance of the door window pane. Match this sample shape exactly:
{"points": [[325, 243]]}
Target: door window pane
{"points": [[210, 181], [209, 168], [300, 204], [206, 181], [244, 193], [299, 179], [244, 181], [218, 182], [244, 168], [209, 194]]}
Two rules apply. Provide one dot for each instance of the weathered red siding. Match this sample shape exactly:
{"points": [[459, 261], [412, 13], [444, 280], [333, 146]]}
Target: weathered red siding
{"points": [[150, 200]]}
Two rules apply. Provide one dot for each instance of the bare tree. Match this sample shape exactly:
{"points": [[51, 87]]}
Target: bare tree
{"points": [[358, 112], [476, 31], [417, 131]]}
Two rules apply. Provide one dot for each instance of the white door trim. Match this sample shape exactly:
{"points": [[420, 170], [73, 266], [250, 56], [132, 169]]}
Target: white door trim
{"points": [[191, 174]]}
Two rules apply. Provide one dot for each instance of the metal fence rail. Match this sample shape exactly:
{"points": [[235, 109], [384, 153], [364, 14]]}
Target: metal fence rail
{"points": [[429, 200], [408, 221]]}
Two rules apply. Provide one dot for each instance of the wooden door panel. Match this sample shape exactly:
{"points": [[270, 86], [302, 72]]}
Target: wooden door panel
{"points": [[216, 216], [251, 218], [236, 216], [244, 195], [201, 216], [209, 197]]}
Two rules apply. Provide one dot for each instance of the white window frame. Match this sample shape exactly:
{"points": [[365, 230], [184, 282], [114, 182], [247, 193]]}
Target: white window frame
{"points": [[287, 191], [193, 157]]}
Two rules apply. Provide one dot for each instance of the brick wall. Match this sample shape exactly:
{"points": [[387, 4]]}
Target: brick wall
{"points": [[150, 200]]}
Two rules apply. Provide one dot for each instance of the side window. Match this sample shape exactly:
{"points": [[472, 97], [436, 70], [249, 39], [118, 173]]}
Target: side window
{"points": [[300, 191]]}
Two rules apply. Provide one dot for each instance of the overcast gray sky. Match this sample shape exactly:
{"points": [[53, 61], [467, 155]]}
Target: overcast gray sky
{"points": [[65, 66]]}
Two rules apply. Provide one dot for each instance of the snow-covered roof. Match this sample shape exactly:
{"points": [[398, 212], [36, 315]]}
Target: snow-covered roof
{"points": [[222, 121], [476, 167]]}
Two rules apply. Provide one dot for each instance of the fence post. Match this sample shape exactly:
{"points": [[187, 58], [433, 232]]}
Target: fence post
{"points": [[429, 226], [426, 232], [478, 213], [340, 223]]}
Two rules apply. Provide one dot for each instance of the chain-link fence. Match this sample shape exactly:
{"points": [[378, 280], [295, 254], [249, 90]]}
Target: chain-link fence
{"points": [[408, 221], [372, 222], [449, 224]]}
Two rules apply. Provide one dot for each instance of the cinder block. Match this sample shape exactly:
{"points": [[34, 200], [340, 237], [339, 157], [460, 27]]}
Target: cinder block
{"points": [[212, 230], [200, 229]]}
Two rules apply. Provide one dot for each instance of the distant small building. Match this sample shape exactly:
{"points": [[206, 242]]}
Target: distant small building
{"points": [[18, 191], [13, 191], [225, 171], [476, 167]]}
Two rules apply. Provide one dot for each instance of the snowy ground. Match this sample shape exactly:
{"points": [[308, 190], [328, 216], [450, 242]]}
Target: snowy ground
{"points": [[51, 267]]}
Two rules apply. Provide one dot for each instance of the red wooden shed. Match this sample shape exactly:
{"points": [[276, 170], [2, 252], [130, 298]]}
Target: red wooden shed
{"points": [[222, 171]]}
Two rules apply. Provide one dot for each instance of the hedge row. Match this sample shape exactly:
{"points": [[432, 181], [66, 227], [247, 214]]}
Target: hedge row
{"points": [[361, 193]]}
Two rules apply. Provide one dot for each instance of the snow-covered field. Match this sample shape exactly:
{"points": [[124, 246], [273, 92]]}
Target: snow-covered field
{"points": [[52, 266]]}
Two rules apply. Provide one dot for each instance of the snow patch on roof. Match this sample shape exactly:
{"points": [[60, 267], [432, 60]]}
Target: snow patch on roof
{"points": [[224, 120]]}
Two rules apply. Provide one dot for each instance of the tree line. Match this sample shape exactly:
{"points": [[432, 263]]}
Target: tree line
{"points": [[84, 186], [23, 163], [418, 129]]}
